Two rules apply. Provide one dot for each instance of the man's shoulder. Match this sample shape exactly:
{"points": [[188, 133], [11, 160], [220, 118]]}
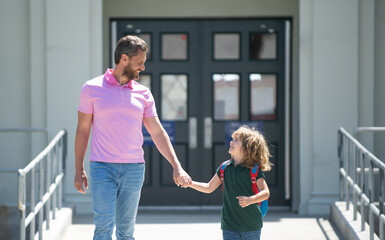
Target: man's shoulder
{"points": [[138, 86], [97, 81]]}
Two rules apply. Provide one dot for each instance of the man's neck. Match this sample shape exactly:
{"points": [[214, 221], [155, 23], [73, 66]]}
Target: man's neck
{"points": [[121, 79]]}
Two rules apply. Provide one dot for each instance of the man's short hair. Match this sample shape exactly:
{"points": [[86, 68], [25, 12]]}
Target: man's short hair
{"points": [[129, 45]]}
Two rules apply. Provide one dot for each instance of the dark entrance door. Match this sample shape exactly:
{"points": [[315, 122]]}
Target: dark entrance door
{"points": [[208, 76]]}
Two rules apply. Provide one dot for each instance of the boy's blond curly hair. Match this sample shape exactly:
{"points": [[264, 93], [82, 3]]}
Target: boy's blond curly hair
{"points": [[255, 148]]}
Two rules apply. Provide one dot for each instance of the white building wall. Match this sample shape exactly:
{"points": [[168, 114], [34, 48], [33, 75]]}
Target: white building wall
{"points": [[379, 84], [74, 55], [15, 151], [335, 45]]}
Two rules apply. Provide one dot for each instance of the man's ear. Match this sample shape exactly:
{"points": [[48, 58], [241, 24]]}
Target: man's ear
{"points": [[124, 58]]}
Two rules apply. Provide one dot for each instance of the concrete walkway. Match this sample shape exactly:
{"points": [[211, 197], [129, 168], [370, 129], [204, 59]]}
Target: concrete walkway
{"points": [[202, 225]]}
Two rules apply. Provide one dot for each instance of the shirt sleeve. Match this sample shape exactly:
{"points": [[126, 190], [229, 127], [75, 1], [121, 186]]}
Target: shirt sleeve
{"points": [[261, 174], [85, 101], [219, 171], [150, 109]]}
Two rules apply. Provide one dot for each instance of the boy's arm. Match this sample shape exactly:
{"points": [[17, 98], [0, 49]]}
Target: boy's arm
{"points": [[209, 187], [263, 194]]}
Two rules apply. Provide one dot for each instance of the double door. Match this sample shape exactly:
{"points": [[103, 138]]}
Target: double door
{"points": [[208, 77]]}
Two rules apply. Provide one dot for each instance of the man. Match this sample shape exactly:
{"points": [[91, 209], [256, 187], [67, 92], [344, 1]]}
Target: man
{"points": [[116, 105]]}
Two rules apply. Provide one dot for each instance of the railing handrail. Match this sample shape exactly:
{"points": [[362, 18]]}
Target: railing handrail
{"points": [[347, 163], [53, 187], [360, 146], [43, 153], [367, 129]]}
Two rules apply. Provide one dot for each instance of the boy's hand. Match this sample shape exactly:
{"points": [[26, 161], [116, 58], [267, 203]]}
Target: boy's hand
{"points": [[244, 201]]}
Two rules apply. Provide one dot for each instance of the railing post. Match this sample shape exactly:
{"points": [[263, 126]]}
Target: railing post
{"points": [[362, 186], [32, 223], [21, 201], [53, 174], [347, 167], [382, 200], [60, 166], [340, 157], [48, 182], [371, 199], [41, 193], [354, 181]]}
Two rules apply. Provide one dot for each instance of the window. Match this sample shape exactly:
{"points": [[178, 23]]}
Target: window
{"points": [[263, 95], [226, 46], [174, 97], [174, 46], [263, 46], [226, 96]]}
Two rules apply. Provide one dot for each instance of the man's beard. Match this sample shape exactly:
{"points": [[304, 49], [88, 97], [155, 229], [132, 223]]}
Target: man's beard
{"points": [[130, 73]]}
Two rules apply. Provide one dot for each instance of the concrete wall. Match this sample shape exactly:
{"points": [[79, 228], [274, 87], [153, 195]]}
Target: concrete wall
{"points": [[337, 82], [15, 94], [379, 76]]}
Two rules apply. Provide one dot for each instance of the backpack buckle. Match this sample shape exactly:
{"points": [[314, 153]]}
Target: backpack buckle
{"points": [[253, 180]]}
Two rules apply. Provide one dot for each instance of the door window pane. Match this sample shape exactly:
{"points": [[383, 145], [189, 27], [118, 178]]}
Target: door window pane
{"points": [[263, 46], [145, 80], [263, 96], [226, 46], [174, 46], [174, 97], [226, 96], [147, 38]]}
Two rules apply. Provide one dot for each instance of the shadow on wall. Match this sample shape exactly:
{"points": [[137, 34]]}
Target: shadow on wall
{"points": [[9, 223]]}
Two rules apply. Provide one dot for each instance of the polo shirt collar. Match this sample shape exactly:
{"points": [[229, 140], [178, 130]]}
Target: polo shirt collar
{"points": [[111, 79], [239, 165]]}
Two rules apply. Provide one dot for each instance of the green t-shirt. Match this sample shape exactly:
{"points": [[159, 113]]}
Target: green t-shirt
{"points": [[237, 182]]}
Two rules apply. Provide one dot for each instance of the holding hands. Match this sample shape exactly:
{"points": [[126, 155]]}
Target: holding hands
{"points": [[181, 178], [184, 181]]}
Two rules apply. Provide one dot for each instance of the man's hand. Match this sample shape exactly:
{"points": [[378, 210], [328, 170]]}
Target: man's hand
{"points": [[181, 178], [80, 179]]}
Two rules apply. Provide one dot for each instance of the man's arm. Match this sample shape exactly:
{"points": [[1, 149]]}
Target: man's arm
{"points": [[162, 142], [81, 142]]}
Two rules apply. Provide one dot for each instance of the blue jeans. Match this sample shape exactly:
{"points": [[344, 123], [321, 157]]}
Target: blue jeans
{"points": [[116, 191], [233, 235]]}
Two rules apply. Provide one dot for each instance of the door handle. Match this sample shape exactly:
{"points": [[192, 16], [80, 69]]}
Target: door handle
{"points": [[193, 138], [208, 131]]}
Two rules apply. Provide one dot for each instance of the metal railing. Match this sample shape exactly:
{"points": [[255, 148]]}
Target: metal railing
{"points": [[49, 166], [358, 170]]}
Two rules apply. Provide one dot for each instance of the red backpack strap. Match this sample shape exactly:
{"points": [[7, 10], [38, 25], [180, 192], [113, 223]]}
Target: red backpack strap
{"points": [[254, 174], [222, 170]]}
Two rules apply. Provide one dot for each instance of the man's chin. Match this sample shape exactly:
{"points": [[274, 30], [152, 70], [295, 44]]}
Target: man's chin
{"points": [[135, 78]]}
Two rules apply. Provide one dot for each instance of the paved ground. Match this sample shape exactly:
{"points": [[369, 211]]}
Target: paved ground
{"points": [[204, 225]]}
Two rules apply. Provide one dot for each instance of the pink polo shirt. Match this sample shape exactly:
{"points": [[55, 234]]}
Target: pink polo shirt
{"points": [[118, 113]]}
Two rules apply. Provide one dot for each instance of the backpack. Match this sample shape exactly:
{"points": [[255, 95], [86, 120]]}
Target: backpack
{"points": [[253, 174]]}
